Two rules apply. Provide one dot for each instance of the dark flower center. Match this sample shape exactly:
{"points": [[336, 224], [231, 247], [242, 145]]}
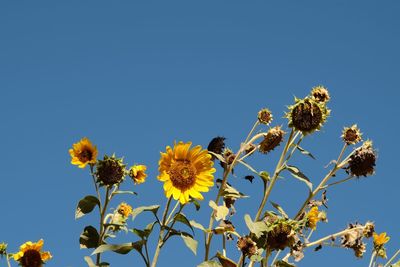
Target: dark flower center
{"points": [[110, 172], [306, 116], [85, 155], [182, 174], [31, 258]]}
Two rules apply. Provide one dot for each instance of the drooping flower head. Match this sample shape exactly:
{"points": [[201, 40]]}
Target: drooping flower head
{"points": [[320, 94], [362, 161], [247, 246], [110, 170], [138, 173], [30, 254], [307, 115], [186, 172], [272, 139], [83, 153], [281, 236]]}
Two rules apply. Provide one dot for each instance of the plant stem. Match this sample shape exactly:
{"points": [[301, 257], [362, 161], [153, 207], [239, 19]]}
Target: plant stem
{"points": [[173, 222], [340, 181], [8, 260], [372, 258], [160, 237], [319, 241], [392, 258], [278, 169], [95, 184], [276, 257], [227, 170], [102, 214], [223, 245], [337, 167]]}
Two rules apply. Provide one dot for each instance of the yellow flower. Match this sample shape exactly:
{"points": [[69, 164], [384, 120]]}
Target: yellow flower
{"points": [[30, 254], [124, 209], [186, 172], [313, 217], [137, 173], [381, 239], [83, 153]]}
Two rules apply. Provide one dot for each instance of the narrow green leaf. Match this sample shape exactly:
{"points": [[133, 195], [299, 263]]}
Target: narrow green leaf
{"points": [[226, 262], [86, 205], [125, 192], [121, 248], [282, 263], [197, 225], [137, 211], [190, 243], [296, 173], [89, 237], [179, 217], [256, 228], [279, 208], [304, 152]]}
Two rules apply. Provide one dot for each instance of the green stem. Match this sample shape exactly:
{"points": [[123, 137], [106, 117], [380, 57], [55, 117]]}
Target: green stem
{"points": [[160, 237], [392, 258], [95, 184], [102, 214], [8, 260], [372, 259], [223, 245], [338, 166], [333, 236], [165, 238]]}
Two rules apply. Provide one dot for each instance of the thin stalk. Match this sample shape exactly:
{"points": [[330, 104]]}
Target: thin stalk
{"points": [[333, 236], [223, 183], [392, 258], [160, 237], [340, 181], [95, 184], [276, 257], [223, 245], [372, 259], [337, 167], [172, 212], [8, 260], [102, 214], [147, 254], [173, 223], [278, 169]]}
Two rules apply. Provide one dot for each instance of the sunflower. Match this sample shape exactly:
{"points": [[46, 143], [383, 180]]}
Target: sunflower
{"points": [[381, 239], [137, 173], [30, 254], [124, 209], [313, 218], [83, 153], [186, 172]]}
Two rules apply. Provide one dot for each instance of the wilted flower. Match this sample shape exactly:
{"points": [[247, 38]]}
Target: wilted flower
{"points": [[249, 149], [351, 135], [265, 116], [186, 172], [320, 94], [314, 216], [124, 209], [83, 153], [272, 139], [307, 115], [138, 173], [110, 170], [30, 254], [369, 229], [362, 161], [247, 246], [281, 236], [216, 145], [353, 239]]}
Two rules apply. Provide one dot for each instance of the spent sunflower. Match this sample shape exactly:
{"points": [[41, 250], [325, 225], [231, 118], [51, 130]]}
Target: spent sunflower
{"points": [[186, 172], [138, 173], [30, 254], [83, 153]]}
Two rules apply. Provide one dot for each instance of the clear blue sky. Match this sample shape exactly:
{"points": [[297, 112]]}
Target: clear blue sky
{"points": [[135, 76]]}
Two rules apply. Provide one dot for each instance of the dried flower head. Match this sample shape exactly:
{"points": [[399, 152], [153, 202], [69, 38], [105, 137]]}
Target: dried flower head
{"points": [[83, 153], [228, 156], [216, 145], [265, 116], [369, 229], [272, 139], [110, 170], [362, 161], [351, 135], [30, 254], [353, 239], [247, 246], [249, 149], [186, 172], [320, 94], [281, 236], [307, 115], [138, 173]]}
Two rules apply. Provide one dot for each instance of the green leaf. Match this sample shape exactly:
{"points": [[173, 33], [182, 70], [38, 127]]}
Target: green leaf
{"points": [[144, 234], [264, 175], [121, 248], [89, 237], [282, 263], [231, 192], [198, 225], [256, 228], [179, 217], [86, 205], [137, 211], [304, 152], [226, 262], [218, 156], [220, 212], [209, 264], [190, 243], [195, 203], [125, 192], [299, 175], [279, 208]]}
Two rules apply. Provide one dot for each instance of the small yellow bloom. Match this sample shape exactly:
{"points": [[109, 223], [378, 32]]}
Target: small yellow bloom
{"points": [[186, 172], [138, 173], [83, 153], [124, 209], [313, 217], [30, 254], [381, 239]]}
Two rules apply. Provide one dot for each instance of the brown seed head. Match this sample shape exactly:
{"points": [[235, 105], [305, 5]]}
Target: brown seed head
{"points": [[362, 161], [272, 139], [265, 116], [110, 170], [247, 246], [280, 237], [320, 94], [351, 135]]}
